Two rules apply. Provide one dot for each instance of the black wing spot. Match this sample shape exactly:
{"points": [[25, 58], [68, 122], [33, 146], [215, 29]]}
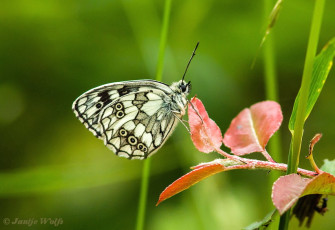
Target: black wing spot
{"points": [[119, 106], [98, 105], [132, 140], [127, 89], [104, 96], [123, 91], [123, 132], [120, 114]]}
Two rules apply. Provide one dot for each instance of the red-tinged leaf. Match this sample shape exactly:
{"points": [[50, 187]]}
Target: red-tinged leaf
{"points": [[190, 179], [251, 130], [287, 189], [205, 134]]}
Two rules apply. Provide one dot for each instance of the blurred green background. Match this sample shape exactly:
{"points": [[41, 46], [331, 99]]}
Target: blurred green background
{"points": [[53, 51]]}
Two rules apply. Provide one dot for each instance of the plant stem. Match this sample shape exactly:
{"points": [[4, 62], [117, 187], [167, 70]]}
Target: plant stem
{"points": [[259, 164], [270, 78], [267, 156], [147, 162], [271, 92], [295, 147], [163, 39], [305, 85], [143, 195]]}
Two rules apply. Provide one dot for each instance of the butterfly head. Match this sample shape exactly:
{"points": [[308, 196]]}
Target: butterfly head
{"points": [[181, 87], [185, 87]]}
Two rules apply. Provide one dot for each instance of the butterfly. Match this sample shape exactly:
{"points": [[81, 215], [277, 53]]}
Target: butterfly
{"points": [[133, 118]]}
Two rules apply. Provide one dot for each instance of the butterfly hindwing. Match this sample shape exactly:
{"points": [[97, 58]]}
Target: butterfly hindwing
{"points": [[136, 125]]}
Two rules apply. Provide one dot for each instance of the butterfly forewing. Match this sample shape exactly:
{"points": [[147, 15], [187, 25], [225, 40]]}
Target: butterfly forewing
{"points": [[133, 118]]}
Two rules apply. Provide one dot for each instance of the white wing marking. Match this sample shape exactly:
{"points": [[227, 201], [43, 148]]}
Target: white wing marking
{"points": [[116, 142], [158, 139], [127, 104], [138, 152], [130, 125], [129, 97], [105, 123], [82, 101], [151, 107], [126, 148], [131, 109], [108, 111], [163, 125], [147, 139], [111, 147], [114, 95], [139, 130], [152, 96], [123, 154]]}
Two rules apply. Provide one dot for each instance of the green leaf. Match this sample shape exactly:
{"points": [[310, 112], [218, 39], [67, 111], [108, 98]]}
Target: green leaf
{"points": [[329, 166], [263, 224], [322, 65]]}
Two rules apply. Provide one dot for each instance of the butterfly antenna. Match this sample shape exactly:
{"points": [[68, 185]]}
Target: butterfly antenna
{"points": [[189, 62]]}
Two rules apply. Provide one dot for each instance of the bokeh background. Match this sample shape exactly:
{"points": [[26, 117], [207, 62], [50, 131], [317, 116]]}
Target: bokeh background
{"points": [[53, 51]]}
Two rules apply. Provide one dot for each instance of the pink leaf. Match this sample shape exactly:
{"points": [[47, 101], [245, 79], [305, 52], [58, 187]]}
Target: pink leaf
{"points": [[201, 172], [205, 134], [251, 130], [287, 189]]}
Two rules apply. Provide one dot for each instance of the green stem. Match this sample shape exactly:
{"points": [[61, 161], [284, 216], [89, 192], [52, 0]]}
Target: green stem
{"points": [[147, 162], [305, 85], [271, 86], [162, 46], [271, 92], [269, 60], [294, 154], [143, 194]]}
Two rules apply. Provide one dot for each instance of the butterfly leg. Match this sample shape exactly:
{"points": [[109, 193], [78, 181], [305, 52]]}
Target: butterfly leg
{"points": [[182, 121]]}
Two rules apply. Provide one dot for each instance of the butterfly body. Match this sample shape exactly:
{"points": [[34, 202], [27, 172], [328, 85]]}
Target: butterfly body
{"points": [[134, 118]]}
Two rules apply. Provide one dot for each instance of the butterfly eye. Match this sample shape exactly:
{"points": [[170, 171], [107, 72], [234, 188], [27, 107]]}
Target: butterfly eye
{"points": [[123, 132], [132, 140], [183, 88], [119, 106], [119, 114]]}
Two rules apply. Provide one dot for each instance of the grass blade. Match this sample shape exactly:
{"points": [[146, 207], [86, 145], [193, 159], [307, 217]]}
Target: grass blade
{"points": [[322, 65], [301, 108]]}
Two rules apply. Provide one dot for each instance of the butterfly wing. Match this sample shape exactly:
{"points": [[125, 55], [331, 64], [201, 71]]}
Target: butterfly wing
{"points": [[136, 125], [89, 105], [140, 109]]}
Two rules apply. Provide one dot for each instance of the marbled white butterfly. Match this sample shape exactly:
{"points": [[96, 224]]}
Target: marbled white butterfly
{"points": [[134, 118]]}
